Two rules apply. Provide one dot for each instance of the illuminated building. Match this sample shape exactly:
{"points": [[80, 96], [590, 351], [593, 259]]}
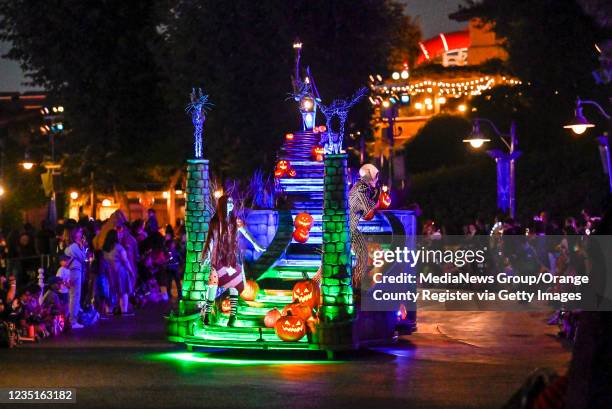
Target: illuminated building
{"points": [[450, 69]]}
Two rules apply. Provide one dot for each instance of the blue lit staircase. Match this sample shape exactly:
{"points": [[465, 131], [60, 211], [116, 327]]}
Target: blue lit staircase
{"points": [[305, 194]]}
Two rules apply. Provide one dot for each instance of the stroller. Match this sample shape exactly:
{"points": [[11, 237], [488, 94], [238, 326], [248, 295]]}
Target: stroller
{"points": [[150, 267]]}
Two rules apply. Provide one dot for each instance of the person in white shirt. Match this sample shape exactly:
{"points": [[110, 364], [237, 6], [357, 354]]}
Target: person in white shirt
{"points": [[63, 272]]}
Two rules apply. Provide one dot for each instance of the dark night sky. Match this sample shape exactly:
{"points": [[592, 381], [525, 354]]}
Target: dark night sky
{"points": [[432, 14]]}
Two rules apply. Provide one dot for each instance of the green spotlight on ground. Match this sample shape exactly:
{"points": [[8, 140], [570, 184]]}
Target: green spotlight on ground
{"points": [[202, 358]]}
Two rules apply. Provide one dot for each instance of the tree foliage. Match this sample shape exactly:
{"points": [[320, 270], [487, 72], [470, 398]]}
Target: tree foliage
{"points": [[551, 48], [550, 43], [96, 58], [124, 70], [438, 144], [241, 53]]}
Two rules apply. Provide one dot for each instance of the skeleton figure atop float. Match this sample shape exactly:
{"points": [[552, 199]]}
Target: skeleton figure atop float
{"points": [[304, 91], [332, 141]]}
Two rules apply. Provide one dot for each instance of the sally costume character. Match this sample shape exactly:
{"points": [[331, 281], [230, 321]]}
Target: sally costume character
{"points": [[221, 248]]}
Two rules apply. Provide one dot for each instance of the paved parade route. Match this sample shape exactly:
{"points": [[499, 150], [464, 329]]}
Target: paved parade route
{"points": [[455, 360]]}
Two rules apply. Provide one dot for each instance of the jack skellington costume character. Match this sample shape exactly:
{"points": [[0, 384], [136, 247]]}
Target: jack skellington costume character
{"points": [[363, 199]]}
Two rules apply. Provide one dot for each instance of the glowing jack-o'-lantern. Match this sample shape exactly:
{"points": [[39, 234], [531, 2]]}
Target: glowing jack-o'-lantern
{"points": [[303, 220], [301, 235], [283, 168], [307, 292], [271, 317], [283, 165], [226, 306], [290, 328], [384, 199], [317, 153], [298, 309], [251, 288]]}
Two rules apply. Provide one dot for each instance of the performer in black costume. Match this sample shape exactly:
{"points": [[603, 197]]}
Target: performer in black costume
{"points": [[363, 199]]}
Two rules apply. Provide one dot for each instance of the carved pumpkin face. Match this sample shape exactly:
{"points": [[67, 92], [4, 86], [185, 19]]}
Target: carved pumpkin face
{"points": [[282, 165], [251, 288], [301, 235], [226, 306], [271, 317], [303, 220], [306, 292], [290, 328], [283, 168], [317, 153], [302, 310]]}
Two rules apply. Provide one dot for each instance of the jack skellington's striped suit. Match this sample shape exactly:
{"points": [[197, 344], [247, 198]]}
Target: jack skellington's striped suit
{"points": [[362, 199]]}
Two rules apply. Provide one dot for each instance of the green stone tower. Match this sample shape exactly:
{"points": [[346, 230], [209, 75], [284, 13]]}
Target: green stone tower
{"points": [[336, 283], [197, 218]]}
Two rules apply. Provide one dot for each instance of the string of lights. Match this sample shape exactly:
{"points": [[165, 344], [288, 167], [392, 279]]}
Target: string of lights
{"points": [[458, 88]]}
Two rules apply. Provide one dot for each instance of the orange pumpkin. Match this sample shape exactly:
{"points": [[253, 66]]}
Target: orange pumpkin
{"points": [[290, 328], [307, 292], [283, 168], [283, 165], [298, 309], [317, 153], [251, 288], [384, 199], [271, 317], [303, 220], [301, 235]]}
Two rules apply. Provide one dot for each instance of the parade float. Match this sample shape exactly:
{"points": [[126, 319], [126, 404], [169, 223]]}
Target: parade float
{"points": [[281, 306]]}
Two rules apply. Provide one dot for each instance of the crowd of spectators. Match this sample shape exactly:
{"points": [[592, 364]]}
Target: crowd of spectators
{"points": [[540, 245], [68, 276]]}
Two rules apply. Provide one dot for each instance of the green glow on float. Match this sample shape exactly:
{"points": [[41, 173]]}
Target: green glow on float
{"points": [[202, 358]]}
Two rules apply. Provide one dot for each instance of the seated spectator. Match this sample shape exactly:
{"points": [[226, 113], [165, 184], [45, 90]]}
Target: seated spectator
{"points": [[8, 288], [52, 303]]}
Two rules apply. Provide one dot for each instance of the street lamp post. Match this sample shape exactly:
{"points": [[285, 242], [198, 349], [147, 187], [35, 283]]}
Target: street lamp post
{"points": [[53, 117], [505, 161], [579, 126]]}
